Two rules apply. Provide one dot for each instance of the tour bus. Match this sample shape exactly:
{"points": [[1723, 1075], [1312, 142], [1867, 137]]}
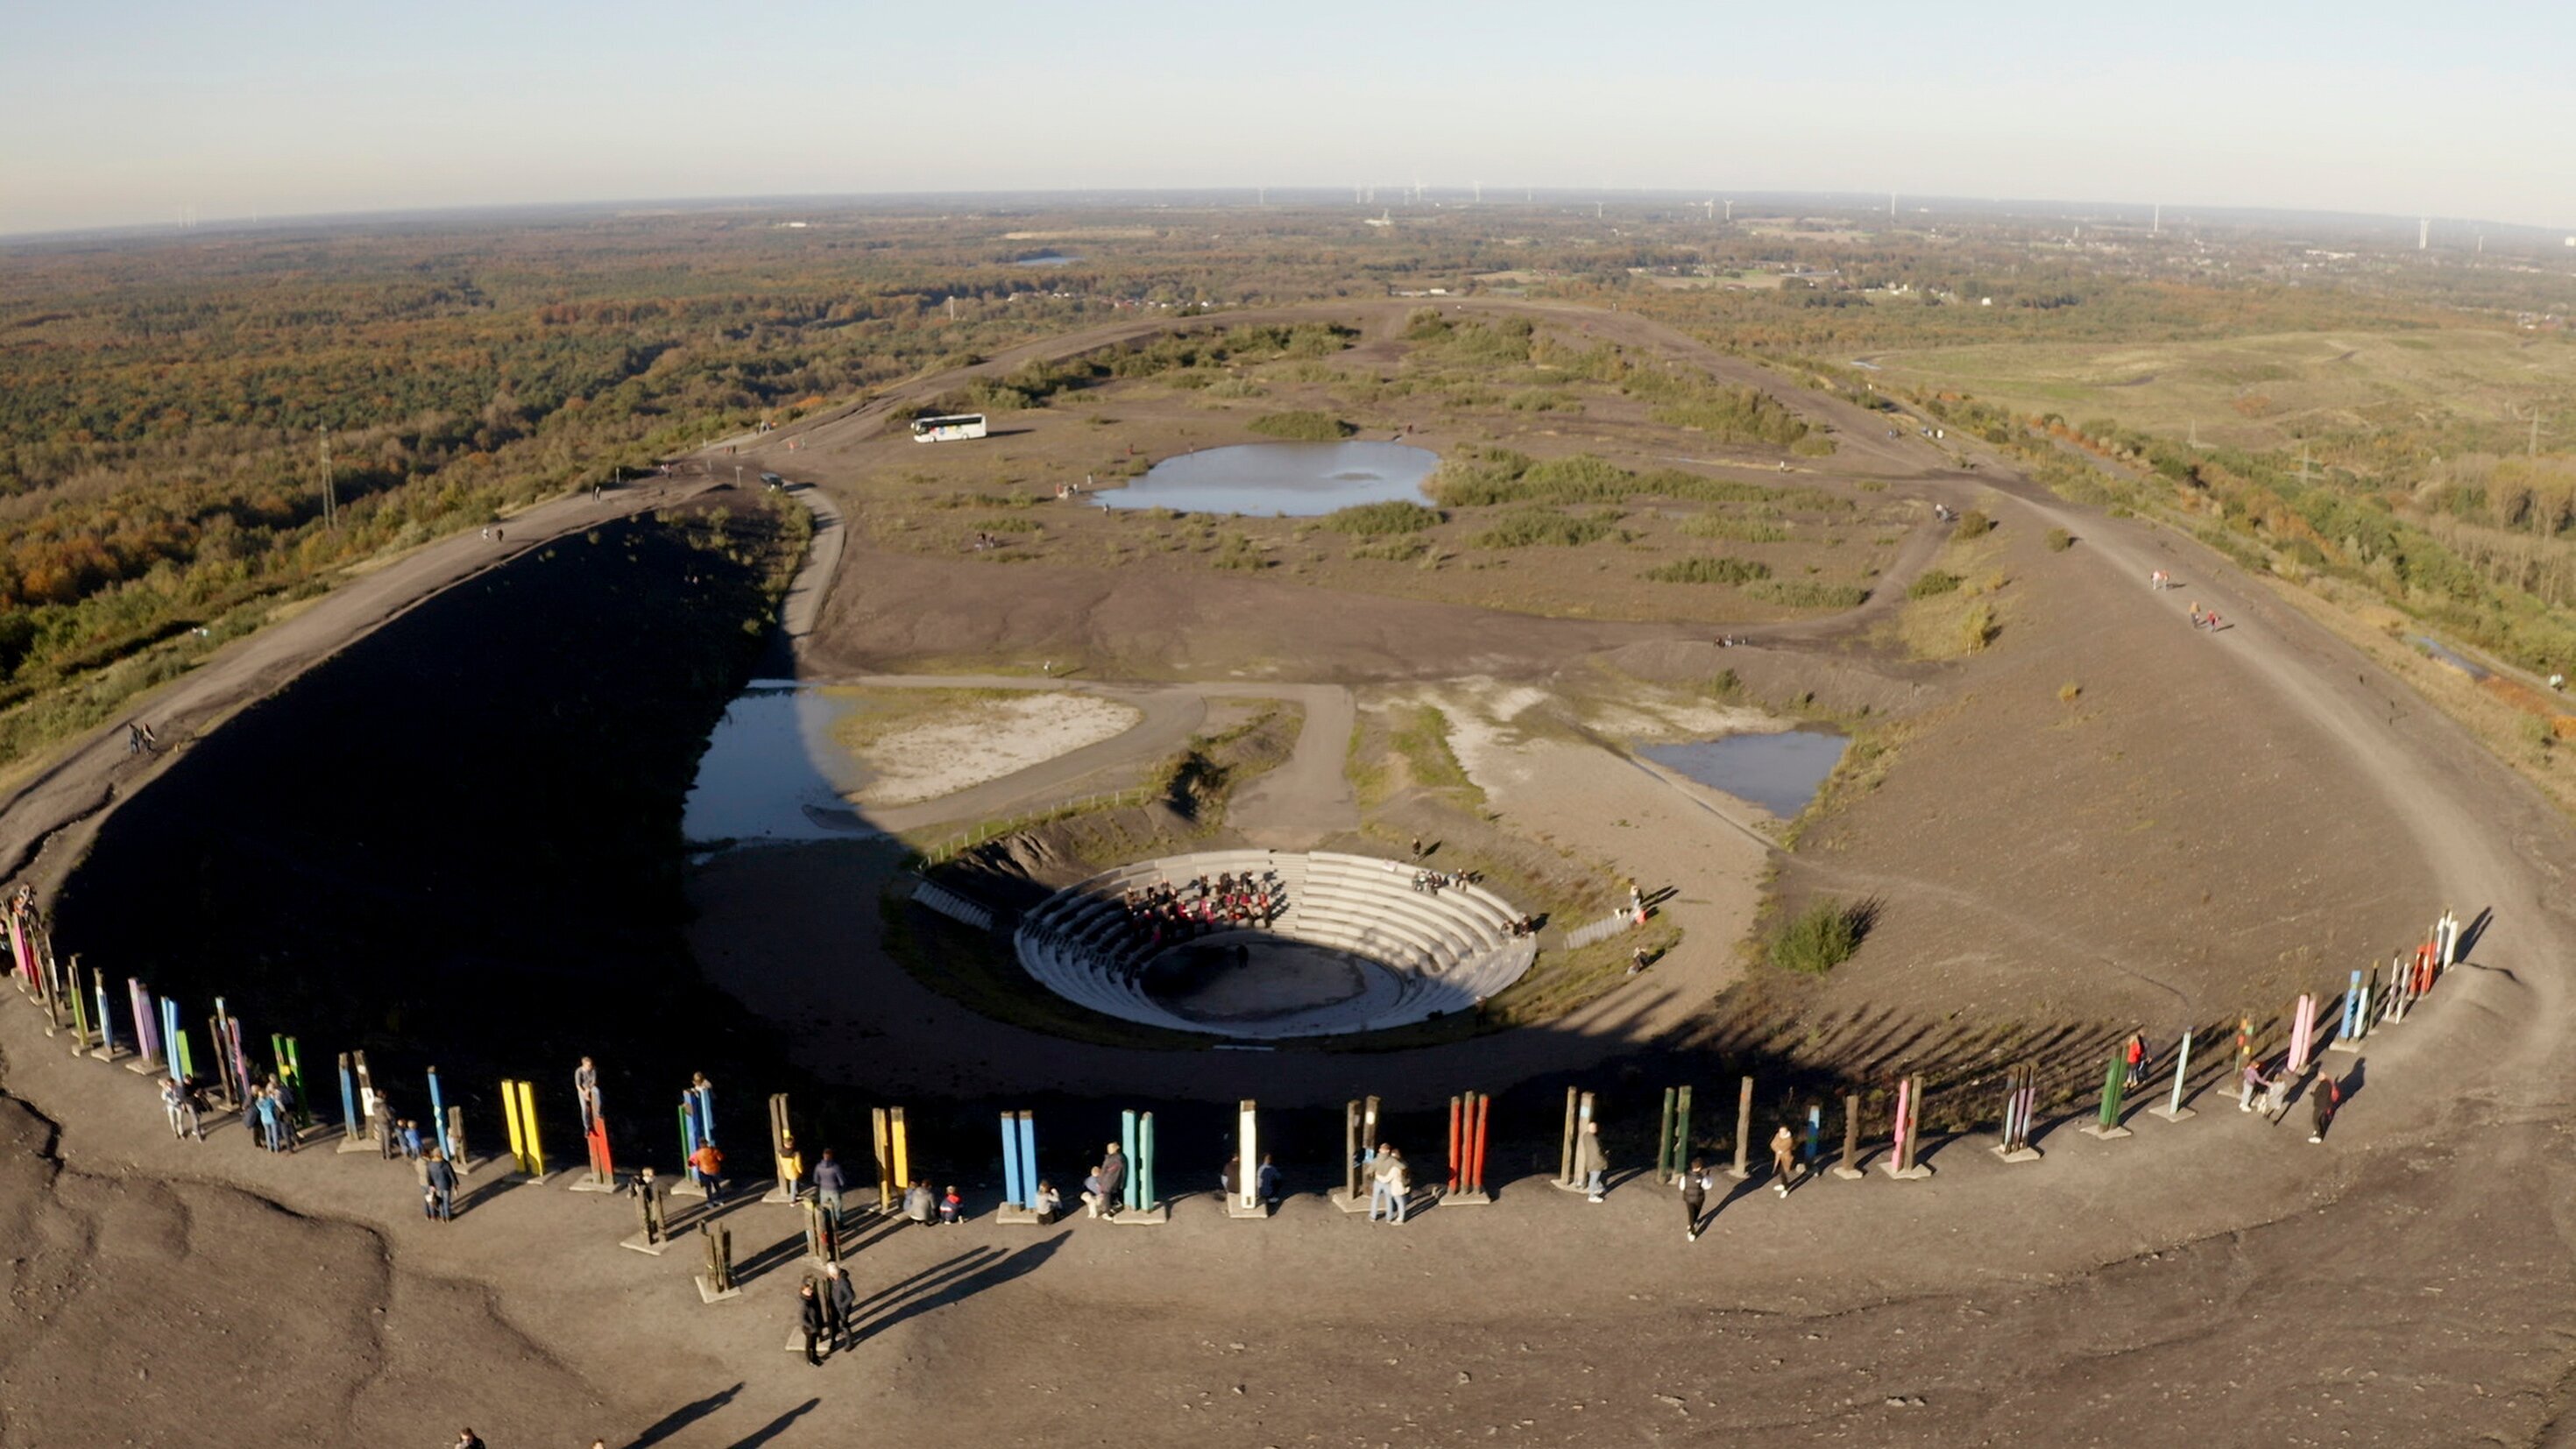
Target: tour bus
{"points": [[948, 429]]}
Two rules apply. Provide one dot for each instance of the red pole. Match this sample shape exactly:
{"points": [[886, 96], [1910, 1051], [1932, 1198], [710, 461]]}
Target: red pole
{"points": [[1453, 1144], [1476, 1158]]}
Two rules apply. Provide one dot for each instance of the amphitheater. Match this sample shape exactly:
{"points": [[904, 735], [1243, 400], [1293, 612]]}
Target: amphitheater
{"points": [[1353, 946]]}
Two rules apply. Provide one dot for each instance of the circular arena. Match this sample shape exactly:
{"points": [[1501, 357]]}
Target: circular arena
{"points": [[1262, 944]]}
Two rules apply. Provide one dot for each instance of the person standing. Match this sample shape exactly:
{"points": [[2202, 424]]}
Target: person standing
{"points": [[1591, 1162], [1694, 1186], [840, 1307], [809, 1317], [2323, 1099], [2249, 1084], [1784, 1159], [829, 1181], [1397, 1176], [442, 1187], [709, 1161], [2135, 1054], [171, 1100], [1101, 1192], [585, 1087], [1265, 1183]]}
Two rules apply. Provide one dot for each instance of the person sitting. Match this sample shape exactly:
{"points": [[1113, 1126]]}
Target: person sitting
{"points": [[952, 1207], [917, 1206], [1047, 1203]]}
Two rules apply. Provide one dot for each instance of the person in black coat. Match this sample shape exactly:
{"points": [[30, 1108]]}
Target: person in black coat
{"points": [[840, 1307], [809, 1311]]}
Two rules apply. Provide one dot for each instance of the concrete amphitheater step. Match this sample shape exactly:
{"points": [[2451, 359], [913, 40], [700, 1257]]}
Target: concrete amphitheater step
{"points": [[1438, 951]]}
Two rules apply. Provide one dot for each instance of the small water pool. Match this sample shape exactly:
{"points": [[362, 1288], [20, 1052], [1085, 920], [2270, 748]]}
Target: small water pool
{"points": [[1298, 479], [772, 771], [1778, 772]]}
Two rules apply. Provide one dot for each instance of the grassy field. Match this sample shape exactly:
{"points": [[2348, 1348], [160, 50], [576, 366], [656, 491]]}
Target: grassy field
{"points": [[2260, 392]]}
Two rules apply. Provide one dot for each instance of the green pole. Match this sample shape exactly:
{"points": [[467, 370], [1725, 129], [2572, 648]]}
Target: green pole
{"points": [[1681, 1131], [1664, 1141], [1145, 1161], [2111, 1083]]}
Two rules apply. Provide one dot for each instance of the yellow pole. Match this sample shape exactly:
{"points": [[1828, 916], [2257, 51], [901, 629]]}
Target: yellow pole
{"points": [[510, 1114], [902, 1151], [528, 1124]]}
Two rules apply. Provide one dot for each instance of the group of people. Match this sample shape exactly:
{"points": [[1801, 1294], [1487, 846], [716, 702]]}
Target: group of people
{"points": [[268, 1115], [2273, 1088], [1390, 1183], [139, 739], [1433, 882], [924, 1208], [827, 1309], [1203, 905], [2203, 620]]}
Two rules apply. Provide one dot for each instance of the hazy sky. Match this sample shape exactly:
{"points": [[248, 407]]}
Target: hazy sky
{"points": [[125, 111]]}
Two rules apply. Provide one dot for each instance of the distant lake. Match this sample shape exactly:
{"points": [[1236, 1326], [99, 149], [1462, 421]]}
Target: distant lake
{"points": [[1049, 259], [773, 772], [1780, 773], [1298, 479]]}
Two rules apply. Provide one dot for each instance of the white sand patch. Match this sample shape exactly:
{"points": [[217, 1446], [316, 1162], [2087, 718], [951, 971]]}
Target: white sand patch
{"points": [[985, 740]]}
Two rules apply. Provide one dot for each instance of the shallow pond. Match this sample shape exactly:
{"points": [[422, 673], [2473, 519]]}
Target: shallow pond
{"points": [[772, 771], [1778, 772], [1298, 479]]}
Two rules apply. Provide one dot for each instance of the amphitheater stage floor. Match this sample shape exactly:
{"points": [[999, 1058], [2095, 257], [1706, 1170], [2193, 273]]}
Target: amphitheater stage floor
{"points": [[1246, 976]]}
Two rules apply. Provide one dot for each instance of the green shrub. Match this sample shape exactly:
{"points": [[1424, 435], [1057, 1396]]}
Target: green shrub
{"points": [[1740, 530], [1404, 549], [1819, 938], [1535, 527], [1975, 524], [1303, 427], [1931, 582], [2059, 540], [1370, 520], [1809, 594], [1716, 570]]}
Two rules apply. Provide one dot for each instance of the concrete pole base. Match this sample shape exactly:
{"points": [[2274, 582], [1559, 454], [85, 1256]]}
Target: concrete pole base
{"points": [[781, 1195], [1466, 1199], [708, 1292], [2106, 1134], [1916, 1173], [1014, 1215], [636, 1242], [2024, 1153], [588, 1183], [2171, 1113], [1148, 1217], [146, 1067], [1357, 1203], [109, 1053], [687, 1189], [1234, 1209], [1849, 1174], [355, 1144], [2344, 1044]]}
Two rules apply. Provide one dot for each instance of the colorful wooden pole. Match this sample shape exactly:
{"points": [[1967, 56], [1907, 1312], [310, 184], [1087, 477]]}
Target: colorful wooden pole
{"points": [[1848, 1167], [348, 1101], [1150, 1194], [438, 1116], [1664, 1140], [1573, 1125], [2113, 1082], [1457, 1124], [2173, 1110], [1743, 1130], [106, 1019], [510, 1120], [1247, 1160], [2021, 1107], [688, 1119], [1476, 1157], [175, 1042], [1014, 1192], [147, 1026]]}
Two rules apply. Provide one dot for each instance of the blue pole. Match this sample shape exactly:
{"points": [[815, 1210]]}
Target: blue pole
{"points": [[1029, 1155], [438, 1116], [348, 1099], [170, 1037], [1011, 1161], [1815, 1131], [2352, 1008], [706, 1100], [106, 1023], [1127, 1143], [689, 1138]]}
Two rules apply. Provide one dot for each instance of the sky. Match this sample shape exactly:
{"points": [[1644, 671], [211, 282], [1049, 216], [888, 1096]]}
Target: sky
{"points": [[127, 112]]}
